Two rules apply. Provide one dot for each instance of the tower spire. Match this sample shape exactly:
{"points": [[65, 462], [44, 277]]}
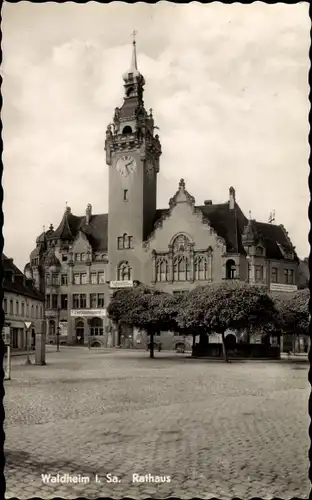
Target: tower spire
{"points": [[133, 74], [134, 62]]}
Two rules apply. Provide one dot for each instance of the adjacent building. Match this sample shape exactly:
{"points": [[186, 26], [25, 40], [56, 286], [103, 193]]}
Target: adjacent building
{"points": [[176, 248], [22, 302]]}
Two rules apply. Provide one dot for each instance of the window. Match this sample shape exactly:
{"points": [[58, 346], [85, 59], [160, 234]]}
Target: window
{"points": [[27, 310], [48, 301], [93, 300], [259, 273], [289, 276], [274, 275], [200, 267], [83, 301], [54, 301], [23, 309], [124, 272], [100, 300], [64, 258], [17, 308], [127, 129], [83, 279], [161, 269], [37, 312], [76, 279], [48, 279], [32, 311], [64, 280], [120, 242], [93, 278], [230, 270], [96, 326], [180, 268], [64, 301], [54, 279], [259, 251], [125, 195], [11, 306], [77, 257], [79, 301], [5, 305], [76, 301], [101, 278], [83, 257]]}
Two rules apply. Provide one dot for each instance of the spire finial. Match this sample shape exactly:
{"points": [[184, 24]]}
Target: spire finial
{"points": [[134, 63], [249, 214], [43, 227]]}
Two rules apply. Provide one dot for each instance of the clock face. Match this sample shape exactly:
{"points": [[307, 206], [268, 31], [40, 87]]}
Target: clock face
{"points": [[126, 165]]}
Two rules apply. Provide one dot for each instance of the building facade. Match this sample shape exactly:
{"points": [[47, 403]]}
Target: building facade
{"points": [[176, 248], [22, 302]]}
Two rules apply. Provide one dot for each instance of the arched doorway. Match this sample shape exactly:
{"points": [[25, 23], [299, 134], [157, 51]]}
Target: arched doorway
{"points": [[51, 327], [79, 329], [230, 270], [96, 327]]}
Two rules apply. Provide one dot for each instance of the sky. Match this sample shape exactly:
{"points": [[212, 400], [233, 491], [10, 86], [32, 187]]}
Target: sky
{"points": [[228, 85]]}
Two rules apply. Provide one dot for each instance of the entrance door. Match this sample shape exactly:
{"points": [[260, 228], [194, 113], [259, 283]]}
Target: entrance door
{"points": [[14, 338], [79, 332]]}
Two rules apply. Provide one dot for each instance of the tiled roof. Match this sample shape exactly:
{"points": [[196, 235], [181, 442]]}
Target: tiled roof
{"points": [[228, 224], [96, 230], [225, 221], [19, 287]]}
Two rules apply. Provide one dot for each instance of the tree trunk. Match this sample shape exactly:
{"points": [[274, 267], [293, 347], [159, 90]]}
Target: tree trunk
{"points": [[151, 344], [194, 337], [224, 348]]}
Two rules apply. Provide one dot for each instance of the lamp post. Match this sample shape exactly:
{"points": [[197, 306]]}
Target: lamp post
{"points": [[28, 325]]}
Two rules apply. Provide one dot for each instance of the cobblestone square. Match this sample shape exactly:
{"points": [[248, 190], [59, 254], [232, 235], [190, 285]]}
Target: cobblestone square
{"points": [[224, 430]]}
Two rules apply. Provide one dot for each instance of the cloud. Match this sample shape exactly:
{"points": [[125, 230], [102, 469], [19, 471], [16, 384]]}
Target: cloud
{"points": [[229, 89]]}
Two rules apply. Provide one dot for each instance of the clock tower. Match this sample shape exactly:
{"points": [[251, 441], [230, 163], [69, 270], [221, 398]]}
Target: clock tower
{"points": [[132, 155]]}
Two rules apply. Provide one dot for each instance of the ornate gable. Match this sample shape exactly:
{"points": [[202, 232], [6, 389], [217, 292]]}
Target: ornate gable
{"points": [[181, 196]]}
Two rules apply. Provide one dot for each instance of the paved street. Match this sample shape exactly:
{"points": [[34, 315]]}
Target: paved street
{"points": [[217, 430]]}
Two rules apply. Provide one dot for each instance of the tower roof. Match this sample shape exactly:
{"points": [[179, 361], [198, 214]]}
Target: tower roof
{"points": [[133, 74]]}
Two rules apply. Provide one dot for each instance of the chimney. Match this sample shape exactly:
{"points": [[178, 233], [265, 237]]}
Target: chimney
{"points": [[88, 213], [231, 198], [208, 202]]}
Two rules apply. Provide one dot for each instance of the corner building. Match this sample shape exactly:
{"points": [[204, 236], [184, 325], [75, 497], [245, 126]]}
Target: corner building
{"points": [[175, 249]]}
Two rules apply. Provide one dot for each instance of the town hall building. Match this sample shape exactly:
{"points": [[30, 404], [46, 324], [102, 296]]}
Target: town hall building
{"points": [[79, 264]]}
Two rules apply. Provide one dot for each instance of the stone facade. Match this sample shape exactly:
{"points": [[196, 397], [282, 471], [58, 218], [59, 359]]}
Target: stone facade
{"points": [[175, 249], [21, 302]]}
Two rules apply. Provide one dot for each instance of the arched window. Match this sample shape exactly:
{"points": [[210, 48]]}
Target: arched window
{"points": [[124, 272], [230, 270], [127, 130], [200, 267], [96, 326], [181, 244], [51, 327], [181, 269], [181, 248], [79, 328], [161, 269]]}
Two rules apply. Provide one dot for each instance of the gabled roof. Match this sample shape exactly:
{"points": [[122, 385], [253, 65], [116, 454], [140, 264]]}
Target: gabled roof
{"points": [[230, 224], [27, 289], [95, 231]]}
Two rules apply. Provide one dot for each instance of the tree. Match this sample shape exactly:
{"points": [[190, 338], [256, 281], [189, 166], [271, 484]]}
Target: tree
{"points": [[231, 305], [144, 308], [293, 308]]}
